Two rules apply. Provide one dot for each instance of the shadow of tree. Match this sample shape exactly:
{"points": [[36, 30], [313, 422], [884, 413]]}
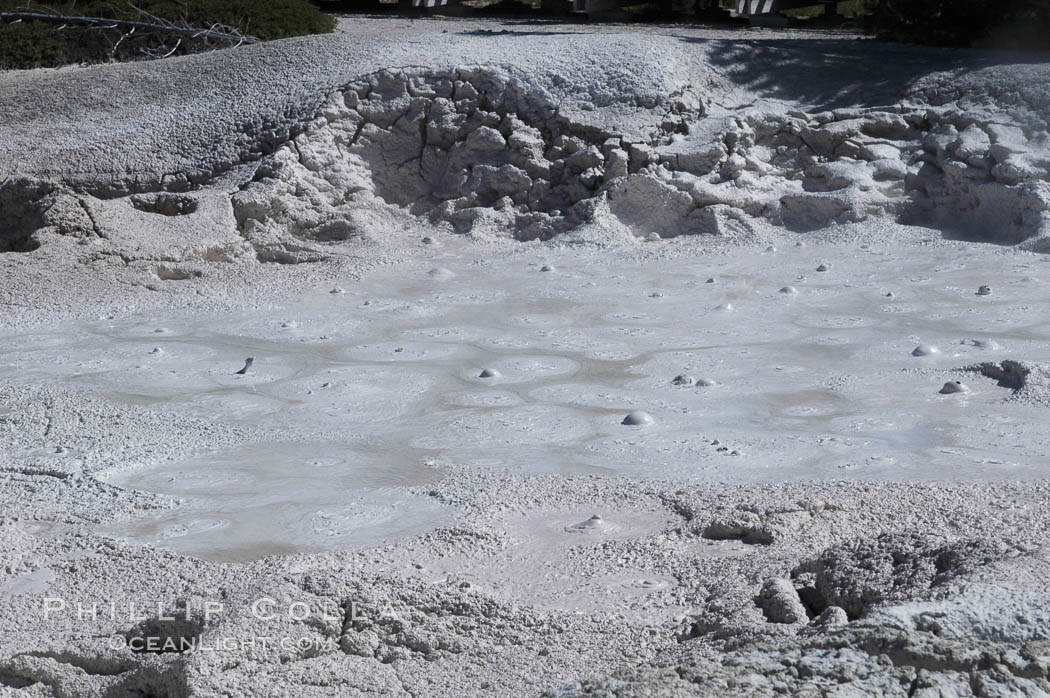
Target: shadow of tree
{"points": [[840, 72], [511, 32]]}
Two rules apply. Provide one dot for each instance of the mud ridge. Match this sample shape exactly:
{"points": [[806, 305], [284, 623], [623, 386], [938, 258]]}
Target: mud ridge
{"points": [[479, 149]]}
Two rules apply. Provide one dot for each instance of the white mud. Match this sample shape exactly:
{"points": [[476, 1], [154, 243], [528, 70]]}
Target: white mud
{"points": [[394, 364], [279, 498]]}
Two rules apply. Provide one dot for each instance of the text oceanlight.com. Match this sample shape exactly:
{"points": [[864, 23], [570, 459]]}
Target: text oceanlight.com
{"points": [[255, 643]]}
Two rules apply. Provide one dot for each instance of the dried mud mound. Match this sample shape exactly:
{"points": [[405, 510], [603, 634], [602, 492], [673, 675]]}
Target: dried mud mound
{"points": [[492, 149], [469, 147], [893, 567]]}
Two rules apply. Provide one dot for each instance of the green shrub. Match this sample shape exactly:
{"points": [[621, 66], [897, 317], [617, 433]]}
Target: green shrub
{"points": [[264, 19], [30, 45], [36, 44]]}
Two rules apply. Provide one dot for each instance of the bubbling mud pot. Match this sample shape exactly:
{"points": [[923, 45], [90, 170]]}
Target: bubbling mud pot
{"points": [[393, 364]]}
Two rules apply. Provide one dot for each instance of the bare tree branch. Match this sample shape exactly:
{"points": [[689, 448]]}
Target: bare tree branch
{"points": [[216, 32], [175, 48]]}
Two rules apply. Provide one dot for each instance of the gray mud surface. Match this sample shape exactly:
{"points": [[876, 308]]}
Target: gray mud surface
{"points": [[583, 361]]}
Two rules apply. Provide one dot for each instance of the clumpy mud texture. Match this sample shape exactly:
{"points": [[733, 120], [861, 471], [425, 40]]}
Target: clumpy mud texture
{"points": [[490, 147], [865, 573], [531, 143], [455, 358], [23, 215]]}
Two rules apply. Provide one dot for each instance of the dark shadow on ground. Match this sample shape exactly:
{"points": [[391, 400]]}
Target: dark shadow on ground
{"points": [[833, 73], [496, 33], [359, 7]]}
